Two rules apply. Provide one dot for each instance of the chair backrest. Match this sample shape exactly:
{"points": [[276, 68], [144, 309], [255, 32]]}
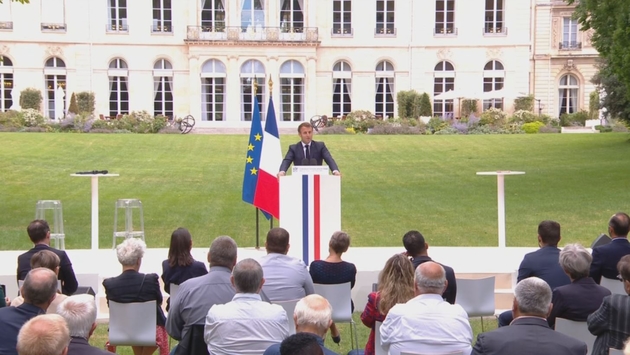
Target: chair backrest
{"points": [[603, 239], [476, 296], [378, 348], [289, 307], [338, 296], [10, 284], [132, 323], [174, 290], [614, 285], [577, 330], [89, 280], [612, 351]]}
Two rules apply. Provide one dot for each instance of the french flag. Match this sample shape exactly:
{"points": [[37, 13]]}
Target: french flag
{"points": [[267, 195]]}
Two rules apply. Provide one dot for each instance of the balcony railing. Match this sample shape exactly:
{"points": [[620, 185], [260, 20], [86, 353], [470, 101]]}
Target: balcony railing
{"points": [[117, 28], [252, 34], [570, 46], [6, 25], [342, 32], [54, 27], [162, 29], [445, 31], [385, 32], [495, 31]]}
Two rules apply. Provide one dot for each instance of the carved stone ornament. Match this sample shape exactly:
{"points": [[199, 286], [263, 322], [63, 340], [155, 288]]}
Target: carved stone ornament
{"points": [[54, 51], [554, 28], [193, 56], [494, 53], [444, 53], [232, 57], [272, 57], [569, 66], [4, 50]]}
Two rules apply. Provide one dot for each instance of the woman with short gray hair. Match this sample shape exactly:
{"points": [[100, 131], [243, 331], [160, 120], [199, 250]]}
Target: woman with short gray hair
{"points": [[133, 286]]}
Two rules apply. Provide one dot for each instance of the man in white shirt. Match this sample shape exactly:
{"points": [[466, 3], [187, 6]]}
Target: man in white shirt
{"points": [[286, 277], [427, 323], [246, 325]]}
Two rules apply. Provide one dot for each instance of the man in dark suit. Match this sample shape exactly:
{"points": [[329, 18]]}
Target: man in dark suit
{"points": [[417, 249], [606, 257], [306, 150], [542, 263], [610, 322], [39, 232], [79, 311], [529, 333], [577, 300], [39, 290]]}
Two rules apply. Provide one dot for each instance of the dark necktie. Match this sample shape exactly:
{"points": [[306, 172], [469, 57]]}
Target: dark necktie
{"points": [[308, 151]]}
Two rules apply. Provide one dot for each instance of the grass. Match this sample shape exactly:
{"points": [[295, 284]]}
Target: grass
{"points": [[99, 337], [390, 184]]}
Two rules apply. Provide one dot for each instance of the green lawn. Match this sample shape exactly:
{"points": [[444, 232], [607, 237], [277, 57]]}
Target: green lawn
{"points": [[390, 184]]}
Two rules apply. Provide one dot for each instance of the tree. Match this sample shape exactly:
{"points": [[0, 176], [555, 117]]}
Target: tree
{"points": [[74, 108], [21, 1], [426, 109], [614, 98]]}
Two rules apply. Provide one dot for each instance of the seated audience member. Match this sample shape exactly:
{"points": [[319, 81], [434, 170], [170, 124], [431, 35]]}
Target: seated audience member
{"points": [[286, 278], [427, 323], [300, 344], [417, 249], [333, 270], [395, 285], [4, 300], [606, 257], [247, 324], [312, 316], [542, 263], [180, 265], [79, 311], [529, 332], [49, 260], [39, 232], [39, 291], [582, 296], [610, 321], [197, 295], [44, 335], [132, 286]]}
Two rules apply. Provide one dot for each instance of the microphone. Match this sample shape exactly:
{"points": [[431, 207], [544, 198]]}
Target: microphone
{"points": [[313, 162], [305, 162], [93, 172]]}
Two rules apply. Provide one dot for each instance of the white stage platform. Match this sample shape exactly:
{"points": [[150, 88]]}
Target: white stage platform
{"points": [[468, 262]]}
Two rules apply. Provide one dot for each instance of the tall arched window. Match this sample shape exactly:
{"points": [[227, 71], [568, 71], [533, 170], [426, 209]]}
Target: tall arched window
{"points": [[444, 80], [118, 89], [384, 101], [163, 88], [212, 15], [292, 88], [252, 13], [493, 79], [252, 71], [292, 16], [55, 75], [7, 93], [342, 84], [213, 75], [568, 92]]}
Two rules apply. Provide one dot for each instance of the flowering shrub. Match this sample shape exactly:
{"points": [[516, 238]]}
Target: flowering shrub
{"points": [[493, 117], [522, 116], [32, 118]]}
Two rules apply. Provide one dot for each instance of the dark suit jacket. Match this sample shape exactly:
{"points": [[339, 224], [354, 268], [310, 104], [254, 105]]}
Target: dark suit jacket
{"points": [[451, 289], [69, 282], [577, 300], [527, 336], [129, 287], [319, 152], [80, 346], [606, 257], [11, 320], [543, 263], [611, 323]]}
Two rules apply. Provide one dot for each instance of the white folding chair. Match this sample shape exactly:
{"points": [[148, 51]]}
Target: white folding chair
{"points": [[289, 307], [174, 290], [132, 324], [378, 347], [339, 297], [614, 285], [612, 351], [89, 280], [11, 285], [476, 296], [577, 330]]}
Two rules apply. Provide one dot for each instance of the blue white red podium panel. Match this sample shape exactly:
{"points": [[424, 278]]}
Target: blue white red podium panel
{"points": [[310, 209]]}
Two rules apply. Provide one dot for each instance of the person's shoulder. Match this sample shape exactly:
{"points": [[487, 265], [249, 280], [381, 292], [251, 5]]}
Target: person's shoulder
{"points": [[273, 350]]}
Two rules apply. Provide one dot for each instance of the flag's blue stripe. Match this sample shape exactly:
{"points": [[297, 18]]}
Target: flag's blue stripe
{"points": [[271, 126], [305, 218], [250, 180]]}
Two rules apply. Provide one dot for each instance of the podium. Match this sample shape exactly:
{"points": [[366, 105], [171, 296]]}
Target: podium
{"points": [[310, 210]]}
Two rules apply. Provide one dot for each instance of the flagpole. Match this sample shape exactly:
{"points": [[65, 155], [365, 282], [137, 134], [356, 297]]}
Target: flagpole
{"points": [[255, 91], [270, 83], [257, 230]]}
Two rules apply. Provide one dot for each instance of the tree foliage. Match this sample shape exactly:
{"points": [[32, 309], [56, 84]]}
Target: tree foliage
{"points": [[615, 95], [21, 1]]}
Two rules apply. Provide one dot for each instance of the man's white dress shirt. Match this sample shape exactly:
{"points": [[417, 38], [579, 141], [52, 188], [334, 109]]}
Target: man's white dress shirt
{"points": [[426, 324], [246, 325]]}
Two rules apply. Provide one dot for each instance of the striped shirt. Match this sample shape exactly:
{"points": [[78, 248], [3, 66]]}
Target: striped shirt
{"points": [[611, 324]]}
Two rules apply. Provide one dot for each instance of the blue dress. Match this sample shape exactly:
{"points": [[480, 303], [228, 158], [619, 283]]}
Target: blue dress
{"points": [[327, 273]]}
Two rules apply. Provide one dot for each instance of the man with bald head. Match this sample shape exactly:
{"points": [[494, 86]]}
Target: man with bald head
{"points": [[427, 323], [45, 334], [606, 257], [39, 291]]}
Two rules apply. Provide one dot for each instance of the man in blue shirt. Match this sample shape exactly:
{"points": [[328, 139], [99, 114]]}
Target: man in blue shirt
{"points": [[39, 290]]}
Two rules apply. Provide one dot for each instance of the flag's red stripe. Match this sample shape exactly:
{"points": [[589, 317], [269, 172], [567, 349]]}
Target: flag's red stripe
{"points": [[316, 216], [267, 192]]}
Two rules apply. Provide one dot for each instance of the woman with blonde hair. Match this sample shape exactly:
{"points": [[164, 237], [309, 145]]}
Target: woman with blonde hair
{"points": [[395, 285]]}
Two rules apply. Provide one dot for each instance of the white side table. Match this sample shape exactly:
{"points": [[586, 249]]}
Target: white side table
{"points": [[94, 204], [501, 199]]}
